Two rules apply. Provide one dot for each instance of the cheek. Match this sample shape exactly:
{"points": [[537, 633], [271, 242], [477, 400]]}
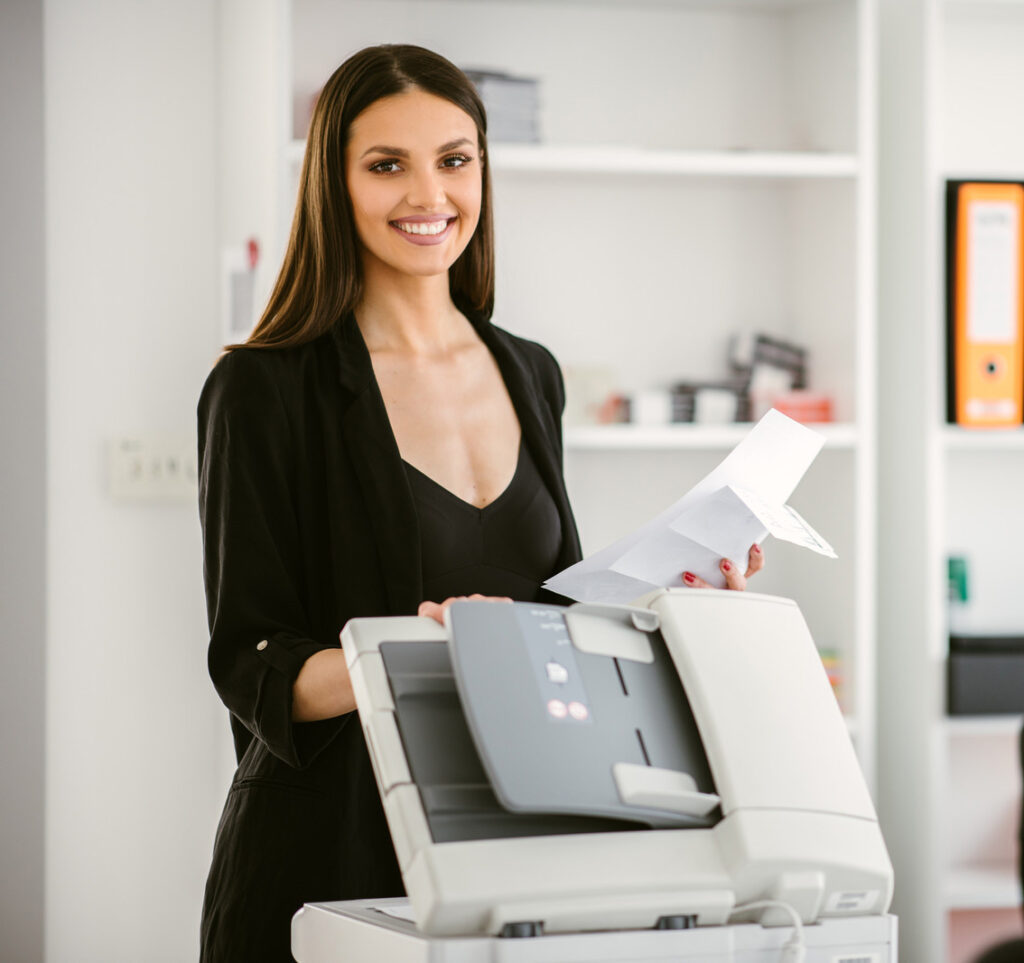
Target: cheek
{"points": [[369, 198], [470, 199]]}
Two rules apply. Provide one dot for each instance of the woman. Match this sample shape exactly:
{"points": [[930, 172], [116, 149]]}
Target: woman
{"points": [[376, 448]]}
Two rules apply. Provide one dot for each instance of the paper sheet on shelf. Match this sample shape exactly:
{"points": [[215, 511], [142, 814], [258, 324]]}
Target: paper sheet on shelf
{"points": [[740, 502]]}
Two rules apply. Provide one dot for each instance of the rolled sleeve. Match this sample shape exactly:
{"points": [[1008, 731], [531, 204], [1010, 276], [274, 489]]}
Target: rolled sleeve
{"points": [[260, 634]]}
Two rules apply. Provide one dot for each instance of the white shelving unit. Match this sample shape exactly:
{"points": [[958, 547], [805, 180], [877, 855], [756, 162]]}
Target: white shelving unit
{"points": [[980, 76], [684, 437], [617, 159], [707, 168], [952, 72], [995, 886]]}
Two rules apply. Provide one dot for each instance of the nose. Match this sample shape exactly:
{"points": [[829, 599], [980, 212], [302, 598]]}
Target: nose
{"points": [[426, 189]]}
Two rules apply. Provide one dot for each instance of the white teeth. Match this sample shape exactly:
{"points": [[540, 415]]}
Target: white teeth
{"points": [[422, 227]]}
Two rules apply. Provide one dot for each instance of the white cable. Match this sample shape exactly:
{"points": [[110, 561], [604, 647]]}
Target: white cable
{"points": [[793, 950]]}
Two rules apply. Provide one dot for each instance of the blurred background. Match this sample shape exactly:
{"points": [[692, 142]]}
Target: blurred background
{"points": [[704, 208]]}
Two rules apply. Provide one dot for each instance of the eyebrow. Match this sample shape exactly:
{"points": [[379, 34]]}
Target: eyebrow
{"points": [[399, 152]]}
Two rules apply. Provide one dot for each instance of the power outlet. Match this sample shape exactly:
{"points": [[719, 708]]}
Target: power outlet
{"points": [[152, 468]]}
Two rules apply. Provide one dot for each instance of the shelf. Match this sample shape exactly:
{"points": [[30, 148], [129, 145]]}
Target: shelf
{"points": [[1008, 725], [982, 439], [558, 159], [984, 173], [569, 159], [687, 436], [995, 886], [754, 6]]}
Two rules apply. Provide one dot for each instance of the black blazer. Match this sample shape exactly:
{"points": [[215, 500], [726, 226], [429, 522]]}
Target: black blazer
{"points": [[308, 521]]}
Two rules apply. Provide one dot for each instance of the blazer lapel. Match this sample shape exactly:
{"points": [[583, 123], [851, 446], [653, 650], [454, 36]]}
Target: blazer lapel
{"points": [[539, 430], [370, 447]]}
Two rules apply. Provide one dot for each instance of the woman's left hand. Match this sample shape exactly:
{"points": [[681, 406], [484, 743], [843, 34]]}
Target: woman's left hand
{"points": [[733, 579]]}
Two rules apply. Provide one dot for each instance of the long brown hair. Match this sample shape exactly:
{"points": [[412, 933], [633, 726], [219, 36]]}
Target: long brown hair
{"points": [[321, 277]]}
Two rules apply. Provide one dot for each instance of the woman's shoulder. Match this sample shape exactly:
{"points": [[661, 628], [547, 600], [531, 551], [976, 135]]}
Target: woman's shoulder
{"points": [[532, 353], [243, 376], [248, 375]]}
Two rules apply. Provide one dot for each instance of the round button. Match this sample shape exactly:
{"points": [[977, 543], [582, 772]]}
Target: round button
{"points": [[260, 646], [558, 708], [578, 711]]}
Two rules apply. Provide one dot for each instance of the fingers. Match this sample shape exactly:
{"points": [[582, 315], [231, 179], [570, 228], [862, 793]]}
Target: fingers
{"points": [[734, 579], [436, 610], [755, 560], [431, 610]]}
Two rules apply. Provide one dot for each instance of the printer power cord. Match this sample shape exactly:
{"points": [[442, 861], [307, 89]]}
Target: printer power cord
{"points": [[793, 950]]}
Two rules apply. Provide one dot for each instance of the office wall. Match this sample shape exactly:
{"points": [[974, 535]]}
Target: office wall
{"points": [[22, 506], [134, 733]]}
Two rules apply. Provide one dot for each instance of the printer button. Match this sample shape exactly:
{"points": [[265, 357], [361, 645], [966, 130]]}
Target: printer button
{"points": [[578, 711], [558, 708], [557, 673]]}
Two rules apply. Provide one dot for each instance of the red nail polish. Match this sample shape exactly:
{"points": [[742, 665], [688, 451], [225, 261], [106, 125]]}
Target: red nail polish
{"points": [[688, 578], [726, 567], [756, 549]]}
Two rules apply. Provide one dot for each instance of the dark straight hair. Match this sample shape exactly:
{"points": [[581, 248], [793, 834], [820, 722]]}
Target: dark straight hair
{"points": [[321, 277]]}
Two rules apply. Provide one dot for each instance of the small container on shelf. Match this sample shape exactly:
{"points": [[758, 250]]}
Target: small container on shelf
{"points": [[512, 104], [710, 402], [985, 675], [807, 407]]}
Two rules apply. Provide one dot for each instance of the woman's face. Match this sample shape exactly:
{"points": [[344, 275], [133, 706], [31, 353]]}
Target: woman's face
{"points": [[413, 170]]}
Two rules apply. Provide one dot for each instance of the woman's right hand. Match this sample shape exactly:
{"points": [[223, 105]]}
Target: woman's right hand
{"points": [[436, 610]]}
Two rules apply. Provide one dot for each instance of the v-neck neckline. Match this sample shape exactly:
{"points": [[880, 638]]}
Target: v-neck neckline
{"points": [[447, 492]]}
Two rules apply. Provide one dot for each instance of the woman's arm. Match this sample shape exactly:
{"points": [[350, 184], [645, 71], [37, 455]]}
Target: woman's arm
{"points": [[323, 688], [260, 635]]}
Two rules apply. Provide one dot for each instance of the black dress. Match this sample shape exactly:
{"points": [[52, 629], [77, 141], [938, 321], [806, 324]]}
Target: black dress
{"points": [[309, 520], [506, 548]]}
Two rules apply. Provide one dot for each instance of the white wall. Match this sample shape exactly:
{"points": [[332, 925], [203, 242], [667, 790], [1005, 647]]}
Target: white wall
{"points": [[22, 507], [134, 731]]}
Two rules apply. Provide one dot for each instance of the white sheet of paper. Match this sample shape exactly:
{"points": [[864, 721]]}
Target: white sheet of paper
{"points": [[782, 521], [769, 461]]}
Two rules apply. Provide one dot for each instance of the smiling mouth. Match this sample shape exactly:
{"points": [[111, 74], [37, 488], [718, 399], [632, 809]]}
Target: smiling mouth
{"points": [[426, 228]]}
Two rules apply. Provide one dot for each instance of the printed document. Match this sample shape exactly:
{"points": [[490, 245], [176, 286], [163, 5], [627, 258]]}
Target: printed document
{"points": [[739, 503]]}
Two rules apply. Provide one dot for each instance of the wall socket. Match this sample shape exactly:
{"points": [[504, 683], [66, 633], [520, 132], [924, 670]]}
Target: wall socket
{"points": [[152, 468]]}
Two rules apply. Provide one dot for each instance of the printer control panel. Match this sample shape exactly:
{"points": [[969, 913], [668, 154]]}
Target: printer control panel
{"points": [[545, 637]]}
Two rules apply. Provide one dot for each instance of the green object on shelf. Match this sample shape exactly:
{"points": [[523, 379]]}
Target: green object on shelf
{"points": [[957, 575]]}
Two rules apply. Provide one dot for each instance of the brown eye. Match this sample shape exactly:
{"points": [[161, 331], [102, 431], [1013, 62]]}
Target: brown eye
{"points": [[384, 167], [455, 161]]}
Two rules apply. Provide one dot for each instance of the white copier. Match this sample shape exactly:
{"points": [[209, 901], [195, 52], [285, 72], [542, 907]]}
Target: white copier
{"points": [[671, 780]]}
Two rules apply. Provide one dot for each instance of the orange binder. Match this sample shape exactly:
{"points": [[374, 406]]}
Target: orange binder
{"points": [[986, 303]]}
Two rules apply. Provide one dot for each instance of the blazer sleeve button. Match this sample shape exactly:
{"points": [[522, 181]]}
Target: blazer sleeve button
{"points": [[260, 646]]}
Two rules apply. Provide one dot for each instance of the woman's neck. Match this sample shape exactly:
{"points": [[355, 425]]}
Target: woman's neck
{"points": [[409, 315]]}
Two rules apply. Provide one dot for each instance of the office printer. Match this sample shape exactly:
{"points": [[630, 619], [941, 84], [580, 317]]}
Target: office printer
{"points": [[677, 770]]}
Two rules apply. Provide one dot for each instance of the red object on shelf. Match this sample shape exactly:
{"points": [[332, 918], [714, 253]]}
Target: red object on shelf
{"points": [[804, 406], [252, 247]]}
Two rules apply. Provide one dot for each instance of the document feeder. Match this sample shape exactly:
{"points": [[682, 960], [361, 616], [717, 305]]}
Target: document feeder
{"points": [[607, 767]]}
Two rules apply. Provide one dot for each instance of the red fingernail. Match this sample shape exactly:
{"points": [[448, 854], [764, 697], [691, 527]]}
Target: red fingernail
{"points": [[689, 578], [757, 549], [726, 567]]}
